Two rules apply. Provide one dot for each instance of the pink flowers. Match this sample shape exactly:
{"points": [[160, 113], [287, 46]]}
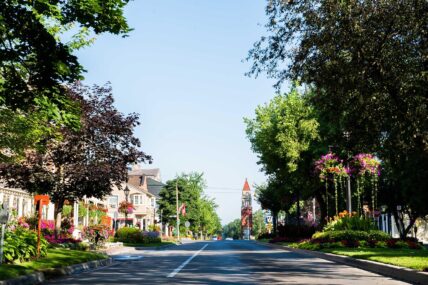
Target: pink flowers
{"points": [[365, 163], [126, 207], [330, 164], [48, 225]]}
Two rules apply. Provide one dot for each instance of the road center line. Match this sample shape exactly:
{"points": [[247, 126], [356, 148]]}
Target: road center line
{"points": [[178, 269]]}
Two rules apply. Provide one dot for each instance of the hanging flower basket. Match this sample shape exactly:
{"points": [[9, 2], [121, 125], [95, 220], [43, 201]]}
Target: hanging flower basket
{"points": [[330, 166], [126, 207], [366, 169], [365, 163]]}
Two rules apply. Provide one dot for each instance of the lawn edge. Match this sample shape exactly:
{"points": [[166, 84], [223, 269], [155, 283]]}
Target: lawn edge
{"points": [[41, 276], [397, 272]]}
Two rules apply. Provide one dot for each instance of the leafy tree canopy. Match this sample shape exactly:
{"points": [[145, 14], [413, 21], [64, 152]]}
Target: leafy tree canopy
{"points": [[86, 161], [200, 210]]}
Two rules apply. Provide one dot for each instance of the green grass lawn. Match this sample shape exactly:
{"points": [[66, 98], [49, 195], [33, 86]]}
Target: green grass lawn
{"points": [[410, 258], [155, 244], [55, 258]]}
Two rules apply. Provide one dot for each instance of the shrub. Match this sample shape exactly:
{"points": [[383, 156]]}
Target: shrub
{"points": [[334, 236], [134, 235], [348, 222], [350, 243], [295, 232], [21, 245], [378, 235], [381, 244], [306, 245], [284, 239], [414, 245], [96, 234]]}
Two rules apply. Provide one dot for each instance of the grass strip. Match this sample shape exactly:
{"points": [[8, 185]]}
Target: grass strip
{"points": [[410, 258], [56, 258]]}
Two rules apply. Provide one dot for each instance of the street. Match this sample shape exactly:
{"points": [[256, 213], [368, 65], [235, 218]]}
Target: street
{"points": [[224, 262]]}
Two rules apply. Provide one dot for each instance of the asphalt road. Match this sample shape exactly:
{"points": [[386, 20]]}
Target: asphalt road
{"points": [[225, 262]]}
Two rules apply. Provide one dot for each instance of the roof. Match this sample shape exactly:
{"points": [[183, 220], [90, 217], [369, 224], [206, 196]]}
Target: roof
{"points": [[246, 186], [138, 189], [148, 172], [154, 186]]}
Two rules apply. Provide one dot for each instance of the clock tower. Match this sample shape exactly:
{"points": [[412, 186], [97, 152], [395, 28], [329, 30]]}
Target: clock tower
{"points": [[246, 211]]}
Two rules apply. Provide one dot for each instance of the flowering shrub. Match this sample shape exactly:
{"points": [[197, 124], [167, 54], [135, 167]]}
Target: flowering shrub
{"points": [[96, 234], [346, 221], [61, 239], [126, 207]]}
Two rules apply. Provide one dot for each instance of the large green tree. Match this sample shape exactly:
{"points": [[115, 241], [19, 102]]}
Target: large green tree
{"points": [[282, 131], [200, 211], [367, 61], [36, 58], [87, 161]]}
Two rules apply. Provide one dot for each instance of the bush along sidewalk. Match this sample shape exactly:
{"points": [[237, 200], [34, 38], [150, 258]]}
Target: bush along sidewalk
{"points": [[357, 237]]}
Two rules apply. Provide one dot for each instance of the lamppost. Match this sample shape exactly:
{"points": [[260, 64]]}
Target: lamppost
{"points": [[126, 191], [346, 134]]}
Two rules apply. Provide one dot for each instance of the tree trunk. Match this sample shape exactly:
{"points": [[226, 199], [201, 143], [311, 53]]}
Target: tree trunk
{"points": [[323, 208], [399, 222], [58, 217], [275, 221]]}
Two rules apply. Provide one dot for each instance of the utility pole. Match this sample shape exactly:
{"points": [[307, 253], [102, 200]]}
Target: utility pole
{"points": [[178, 217]]}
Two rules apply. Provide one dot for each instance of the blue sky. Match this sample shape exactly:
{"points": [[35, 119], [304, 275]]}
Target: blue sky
{"points": [[181, 69]]}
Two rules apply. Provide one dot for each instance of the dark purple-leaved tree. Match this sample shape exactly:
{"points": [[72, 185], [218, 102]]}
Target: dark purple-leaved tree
{"points": [[84, 162]]}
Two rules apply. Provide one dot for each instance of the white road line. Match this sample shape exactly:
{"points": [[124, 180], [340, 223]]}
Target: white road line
{"points": [[172, 274]]}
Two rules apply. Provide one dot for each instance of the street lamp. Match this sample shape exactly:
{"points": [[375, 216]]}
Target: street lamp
{"points": [[126, 191], [347, 135]]}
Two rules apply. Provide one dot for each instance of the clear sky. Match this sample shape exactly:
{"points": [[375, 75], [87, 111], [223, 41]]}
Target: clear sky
{"points": [[182, 70]]}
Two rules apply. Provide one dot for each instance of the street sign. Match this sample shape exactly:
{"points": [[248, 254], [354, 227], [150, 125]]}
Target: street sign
{"points": [[187, 224], [269, 219]]}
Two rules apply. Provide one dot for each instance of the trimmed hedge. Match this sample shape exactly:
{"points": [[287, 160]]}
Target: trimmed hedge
{"points": [[134, 235], [349, 235]]}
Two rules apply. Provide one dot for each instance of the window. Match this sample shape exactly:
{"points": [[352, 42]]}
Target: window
{"points": [[137, 199], [112, 201], [153, 202]]}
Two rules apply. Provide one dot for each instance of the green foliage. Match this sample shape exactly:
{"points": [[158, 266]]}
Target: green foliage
{"points": [[200, 210], [21, 245], [67, 210], [355, 223], [281, 131], [134, 235], [232, 230], [258, 223], [37, 62], [368, 65], [351, 235]]}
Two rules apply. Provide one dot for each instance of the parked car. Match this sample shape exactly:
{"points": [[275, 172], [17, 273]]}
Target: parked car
{"points": [[214, 238], [229, 238]]}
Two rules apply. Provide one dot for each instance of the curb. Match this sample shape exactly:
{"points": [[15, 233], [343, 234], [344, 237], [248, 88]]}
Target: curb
{"points": [[400, 273], [155, 247], [46, 274]]}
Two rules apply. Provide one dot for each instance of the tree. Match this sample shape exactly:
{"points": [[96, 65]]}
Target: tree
{"points": [[36, 62], [258, 223], [282, 131], [84, 162], [367, 62], [200, 211], [232, 229]]}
